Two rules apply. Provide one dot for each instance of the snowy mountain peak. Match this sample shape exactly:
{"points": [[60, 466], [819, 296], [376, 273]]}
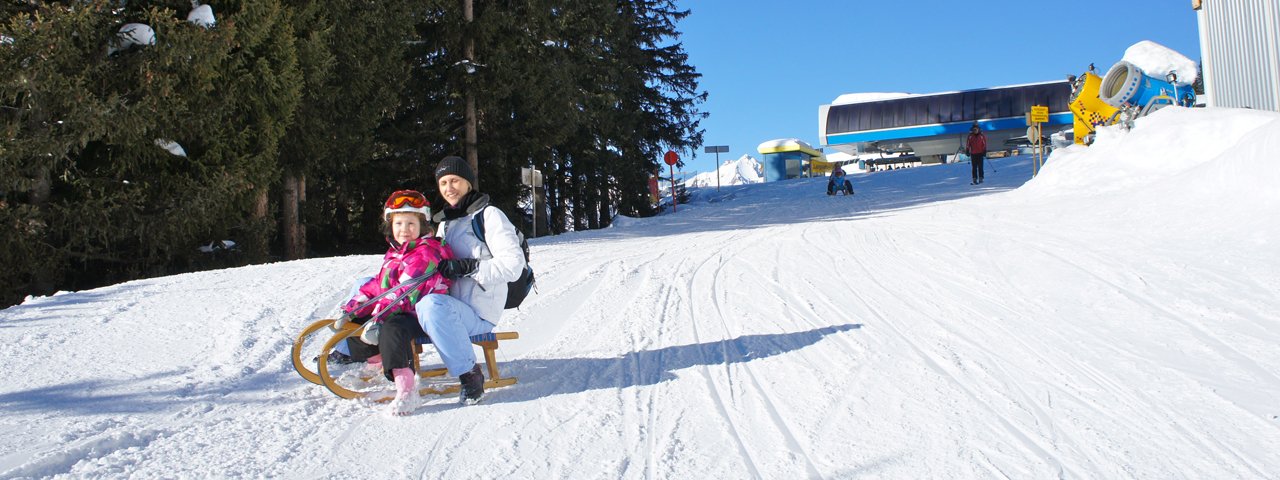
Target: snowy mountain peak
{"points": [[746, 169]]}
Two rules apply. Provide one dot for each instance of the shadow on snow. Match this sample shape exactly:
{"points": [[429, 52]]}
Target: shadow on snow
{"points": [[538, 377], [555, 376]]}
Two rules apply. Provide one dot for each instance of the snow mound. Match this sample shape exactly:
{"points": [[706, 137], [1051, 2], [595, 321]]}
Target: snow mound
{"points": [[1161, 145], [1158, 61]]}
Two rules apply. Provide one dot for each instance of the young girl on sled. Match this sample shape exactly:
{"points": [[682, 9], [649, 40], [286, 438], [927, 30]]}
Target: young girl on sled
{"points": [[414, 252]]}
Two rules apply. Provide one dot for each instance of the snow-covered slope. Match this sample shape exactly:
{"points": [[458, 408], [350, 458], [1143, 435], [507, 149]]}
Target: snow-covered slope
{"points": [[1115, 317]]}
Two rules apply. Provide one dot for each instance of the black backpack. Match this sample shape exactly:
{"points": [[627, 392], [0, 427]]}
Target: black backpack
{"points": [[520, 287]]}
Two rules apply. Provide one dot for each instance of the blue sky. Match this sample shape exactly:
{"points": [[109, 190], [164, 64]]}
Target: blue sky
{"points": [[768, 65]]}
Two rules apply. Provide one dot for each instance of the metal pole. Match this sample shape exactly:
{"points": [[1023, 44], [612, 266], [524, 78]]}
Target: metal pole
{"points": [[717, 170], [533, 195], [673, 189], [1039, 149]]}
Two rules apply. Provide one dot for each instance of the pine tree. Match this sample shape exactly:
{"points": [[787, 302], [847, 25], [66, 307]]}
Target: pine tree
{"points": [[354, 62], [99, 195], [48, 115]]}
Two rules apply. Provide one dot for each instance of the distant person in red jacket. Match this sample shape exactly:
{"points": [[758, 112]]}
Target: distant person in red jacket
{"points": [[976, 146]]}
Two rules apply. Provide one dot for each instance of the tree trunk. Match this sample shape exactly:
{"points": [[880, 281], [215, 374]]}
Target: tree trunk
{"points": [[291, 226], [592, 210], [555, 201], [539, 211], [472, 137], [258, 239], [260, 206], [302, 208]]}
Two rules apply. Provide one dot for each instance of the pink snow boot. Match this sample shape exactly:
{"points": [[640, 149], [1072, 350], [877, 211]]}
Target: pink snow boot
{"points": [[406, 400]]}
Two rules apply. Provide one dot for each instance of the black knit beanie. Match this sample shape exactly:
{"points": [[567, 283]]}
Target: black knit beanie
{"points": [[453, 165]]}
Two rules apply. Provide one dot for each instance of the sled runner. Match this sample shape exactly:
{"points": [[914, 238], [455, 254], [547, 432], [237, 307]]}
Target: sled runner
{"points": [[324, 376]]}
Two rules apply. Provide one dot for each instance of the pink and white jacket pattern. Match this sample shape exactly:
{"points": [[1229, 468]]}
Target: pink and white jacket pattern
{"points": [[401, 264]]}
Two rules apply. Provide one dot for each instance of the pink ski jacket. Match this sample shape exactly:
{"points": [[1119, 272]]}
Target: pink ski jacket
{"points": [[401, 264]]}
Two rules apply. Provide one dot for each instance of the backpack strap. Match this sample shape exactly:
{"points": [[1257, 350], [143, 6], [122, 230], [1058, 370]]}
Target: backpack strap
{"points": [[477, 225]]}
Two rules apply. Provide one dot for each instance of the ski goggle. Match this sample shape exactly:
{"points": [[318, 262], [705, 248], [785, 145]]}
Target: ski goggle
{"points": [[403, 198]]}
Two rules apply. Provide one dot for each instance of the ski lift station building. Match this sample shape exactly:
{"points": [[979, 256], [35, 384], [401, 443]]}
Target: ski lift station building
{"points": [[933, 125], [786, 158]]}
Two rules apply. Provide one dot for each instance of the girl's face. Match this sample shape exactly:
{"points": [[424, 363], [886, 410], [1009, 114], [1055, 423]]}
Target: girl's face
{"points": [[453, 188], [405, 227]]}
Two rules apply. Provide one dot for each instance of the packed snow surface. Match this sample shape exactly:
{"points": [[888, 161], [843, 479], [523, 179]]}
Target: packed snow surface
{"points": [[1115, 317]]}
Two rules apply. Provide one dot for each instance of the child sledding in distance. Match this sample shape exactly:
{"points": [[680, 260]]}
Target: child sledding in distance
{"points": [[414, 251], [838, 182]]}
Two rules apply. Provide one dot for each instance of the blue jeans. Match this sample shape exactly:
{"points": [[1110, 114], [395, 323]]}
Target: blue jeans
{"points": [[450, 323]]}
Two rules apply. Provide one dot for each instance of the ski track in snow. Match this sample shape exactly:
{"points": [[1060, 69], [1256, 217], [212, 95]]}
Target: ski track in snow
{"points": [[922, 328]]}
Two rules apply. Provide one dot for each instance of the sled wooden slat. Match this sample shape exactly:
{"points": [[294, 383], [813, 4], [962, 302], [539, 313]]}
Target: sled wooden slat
{"points": [[488, 343], [298, 363], [490, 359]]}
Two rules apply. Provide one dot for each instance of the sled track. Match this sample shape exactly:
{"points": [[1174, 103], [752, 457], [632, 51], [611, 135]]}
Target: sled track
{"points": [[1203, 442], [1025, 438], [646, 399], [1067, 367], [715, 264]]}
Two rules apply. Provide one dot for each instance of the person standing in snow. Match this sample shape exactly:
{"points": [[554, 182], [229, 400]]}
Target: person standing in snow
{"points": [[480, 272], [414, 252], [976, 146]]}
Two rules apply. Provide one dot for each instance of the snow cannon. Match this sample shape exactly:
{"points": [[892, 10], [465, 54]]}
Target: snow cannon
{"points": [[1089, 110], [1125, 85]]}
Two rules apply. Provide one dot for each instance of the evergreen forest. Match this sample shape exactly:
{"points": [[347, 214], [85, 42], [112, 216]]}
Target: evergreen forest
{"points": [[137, 136]]}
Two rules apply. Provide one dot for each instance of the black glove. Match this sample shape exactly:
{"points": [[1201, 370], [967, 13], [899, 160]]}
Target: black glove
{"points": [[455, 268]]}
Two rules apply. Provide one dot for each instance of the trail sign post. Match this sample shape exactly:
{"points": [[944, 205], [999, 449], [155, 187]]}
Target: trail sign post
{"points": [[671, 159], [1039, 114], [717, 149]]}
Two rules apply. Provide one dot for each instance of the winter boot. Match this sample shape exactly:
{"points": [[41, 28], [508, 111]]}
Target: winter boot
{"points": [[472, 386], [406, 400], [336, 358]]}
